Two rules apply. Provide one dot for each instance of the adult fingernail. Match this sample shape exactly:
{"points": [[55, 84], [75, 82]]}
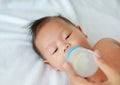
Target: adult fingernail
{"points": [[97, 54]]}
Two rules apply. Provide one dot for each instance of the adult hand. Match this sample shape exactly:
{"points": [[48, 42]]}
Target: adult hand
{"points": [[112, 74]]}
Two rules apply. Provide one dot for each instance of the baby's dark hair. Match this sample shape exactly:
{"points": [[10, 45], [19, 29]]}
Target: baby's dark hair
{"points": [[37, 24]]}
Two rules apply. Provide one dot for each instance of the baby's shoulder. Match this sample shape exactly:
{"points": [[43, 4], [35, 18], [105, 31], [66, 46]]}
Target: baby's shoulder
{"points": [[110, 51], [108, 47], [107, 42]]}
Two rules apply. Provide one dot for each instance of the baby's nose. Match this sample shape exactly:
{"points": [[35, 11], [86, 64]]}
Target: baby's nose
{"points": [[67, 46]]}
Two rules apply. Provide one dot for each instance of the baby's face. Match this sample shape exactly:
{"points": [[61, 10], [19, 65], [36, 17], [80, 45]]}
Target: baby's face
{"points": [[55, 38]]}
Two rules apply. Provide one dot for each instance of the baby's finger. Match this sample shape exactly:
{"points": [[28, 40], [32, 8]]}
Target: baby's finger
{"points": [[104, 66]]}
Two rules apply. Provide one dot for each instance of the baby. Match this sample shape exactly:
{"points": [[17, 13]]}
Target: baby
{"points": [[54, 35]]}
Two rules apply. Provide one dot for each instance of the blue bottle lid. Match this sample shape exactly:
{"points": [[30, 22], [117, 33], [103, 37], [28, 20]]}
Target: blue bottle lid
{"points": [[70, 50]]}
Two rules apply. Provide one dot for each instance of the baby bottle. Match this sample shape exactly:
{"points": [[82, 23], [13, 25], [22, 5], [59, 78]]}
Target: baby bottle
{"points": [[82, 61]]}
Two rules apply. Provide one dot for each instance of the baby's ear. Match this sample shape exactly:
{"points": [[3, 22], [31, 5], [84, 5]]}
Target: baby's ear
{"points": [[79, 28], [46, 62]]}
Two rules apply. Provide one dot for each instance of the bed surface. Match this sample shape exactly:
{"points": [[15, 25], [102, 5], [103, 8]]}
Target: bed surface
{"points": [[19, 64]]}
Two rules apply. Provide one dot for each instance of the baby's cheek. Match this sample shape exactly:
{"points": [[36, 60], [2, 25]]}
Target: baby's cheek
{"points": [[58, 60], [61, 62], [77, 42]]}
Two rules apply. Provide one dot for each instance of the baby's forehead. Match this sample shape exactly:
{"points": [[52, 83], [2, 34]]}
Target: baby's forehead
{"points": [[52, 22], [45, 22], [54, 26], [54, 19]]}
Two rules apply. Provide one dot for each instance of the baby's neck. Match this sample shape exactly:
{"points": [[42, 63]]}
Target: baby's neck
{"points": [[98, 77]]}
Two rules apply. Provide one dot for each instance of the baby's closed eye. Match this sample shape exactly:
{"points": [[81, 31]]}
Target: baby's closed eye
{"points": [[67, 36], [55, 50]]}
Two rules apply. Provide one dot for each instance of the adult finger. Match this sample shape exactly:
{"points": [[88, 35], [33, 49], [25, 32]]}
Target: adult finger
{"points": [[104, 66], [74, 78], [69, 70]]}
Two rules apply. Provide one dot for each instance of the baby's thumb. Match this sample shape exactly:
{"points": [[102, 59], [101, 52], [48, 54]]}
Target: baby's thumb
{"points": [[69, 70], [103, 65]]}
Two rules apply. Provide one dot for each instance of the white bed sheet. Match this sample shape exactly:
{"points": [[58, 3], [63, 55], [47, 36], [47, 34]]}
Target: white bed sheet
{"points": [[19, 64]]}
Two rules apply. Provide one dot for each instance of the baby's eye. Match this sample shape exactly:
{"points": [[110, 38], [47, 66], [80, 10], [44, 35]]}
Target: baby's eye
{"points": [[67, 36], [55, 50]]}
